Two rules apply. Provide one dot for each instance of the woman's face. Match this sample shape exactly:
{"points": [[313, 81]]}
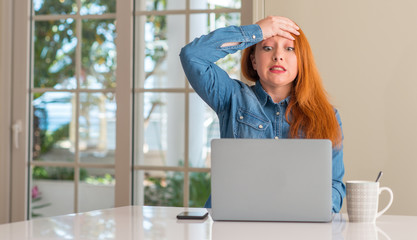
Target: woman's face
{"points": [[276, 62]]}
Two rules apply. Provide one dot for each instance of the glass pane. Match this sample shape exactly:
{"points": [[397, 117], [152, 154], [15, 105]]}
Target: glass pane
{"points": [[54, 54], [160, 137], [204, 126], [96, 189], [159, 188], [231, 64], [159, 5], [159, 43], [53, 126], [97, 127], [97, 7], [200, 188], [52, 191], [214, 4], [44, 7], [205, 23], [98, 54]]}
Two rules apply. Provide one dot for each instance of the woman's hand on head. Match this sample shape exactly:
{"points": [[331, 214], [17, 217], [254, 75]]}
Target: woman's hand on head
{"points": [[275, 25]]}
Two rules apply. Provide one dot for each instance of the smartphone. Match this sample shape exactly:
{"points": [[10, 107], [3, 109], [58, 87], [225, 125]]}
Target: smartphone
{"points": [[196, 215]]}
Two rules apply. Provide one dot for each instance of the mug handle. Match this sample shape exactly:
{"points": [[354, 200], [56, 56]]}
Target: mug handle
{"points": [[390, 201]]}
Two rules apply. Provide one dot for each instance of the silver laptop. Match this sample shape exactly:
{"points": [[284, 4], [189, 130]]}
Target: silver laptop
{"points": [[271, 180]]}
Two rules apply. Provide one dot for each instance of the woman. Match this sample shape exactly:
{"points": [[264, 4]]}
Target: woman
{"points": [[287, 100]]}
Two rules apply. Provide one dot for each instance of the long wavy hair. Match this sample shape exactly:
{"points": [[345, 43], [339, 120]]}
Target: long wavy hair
{"points": [[309, 112]]}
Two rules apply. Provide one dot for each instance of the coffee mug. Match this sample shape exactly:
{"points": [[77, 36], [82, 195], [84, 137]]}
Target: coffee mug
{"points": [[362, 200]]}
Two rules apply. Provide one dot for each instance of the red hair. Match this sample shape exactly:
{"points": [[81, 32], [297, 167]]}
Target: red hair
{"points": [[309, 112]]}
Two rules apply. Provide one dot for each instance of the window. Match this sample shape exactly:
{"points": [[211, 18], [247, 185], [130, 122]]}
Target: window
{"points": [[173, 125], [73, 106]]}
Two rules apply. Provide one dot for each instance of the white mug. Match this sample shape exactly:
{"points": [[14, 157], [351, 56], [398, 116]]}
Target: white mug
{"points": [[362, 200]]}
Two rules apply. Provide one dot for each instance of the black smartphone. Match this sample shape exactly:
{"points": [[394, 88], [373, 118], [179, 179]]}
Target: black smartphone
{"points": [[193, 215]]}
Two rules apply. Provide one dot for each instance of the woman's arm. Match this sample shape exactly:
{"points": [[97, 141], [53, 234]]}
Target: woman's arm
{"points": [[338, 171], [198, 61]]}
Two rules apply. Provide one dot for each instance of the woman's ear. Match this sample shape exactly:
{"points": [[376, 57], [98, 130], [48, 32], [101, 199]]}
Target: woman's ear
{"points": [[253, 60]]}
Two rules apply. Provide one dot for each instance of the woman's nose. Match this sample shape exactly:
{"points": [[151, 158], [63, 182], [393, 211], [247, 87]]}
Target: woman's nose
{"points": [[275, 58], [277, 55]]}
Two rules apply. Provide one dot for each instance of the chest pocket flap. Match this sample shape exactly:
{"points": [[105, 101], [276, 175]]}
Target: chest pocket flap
{"points": [[252, 120]]}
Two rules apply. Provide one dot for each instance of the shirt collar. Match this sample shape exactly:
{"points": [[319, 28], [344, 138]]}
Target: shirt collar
{"points": [[264, 96]]}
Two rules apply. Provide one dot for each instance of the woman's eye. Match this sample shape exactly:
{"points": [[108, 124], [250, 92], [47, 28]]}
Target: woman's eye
{"points": [[290, 48], [267, 48]]}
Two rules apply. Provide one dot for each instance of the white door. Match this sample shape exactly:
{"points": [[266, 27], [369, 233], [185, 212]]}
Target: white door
{"points": [[64, 107], [103, 115]]}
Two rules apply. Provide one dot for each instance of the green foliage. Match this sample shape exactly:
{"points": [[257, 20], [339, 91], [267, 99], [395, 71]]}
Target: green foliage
{"points": [[57, 173], [200, 189], [107, 179], [40, 173], [168, 191], [165, 191], [48, 138]]}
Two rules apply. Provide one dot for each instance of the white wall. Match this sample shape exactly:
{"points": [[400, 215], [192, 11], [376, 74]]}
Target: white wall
{"points": [[366, 52]]}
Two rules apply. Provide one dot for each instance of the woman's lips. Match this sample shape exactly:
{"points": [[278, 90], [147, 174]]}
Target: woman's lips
{"points": [[277, 69]]}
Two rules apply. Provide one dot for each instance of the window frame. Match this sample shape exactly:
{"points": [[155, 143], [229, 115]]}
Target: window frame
{"points": [[186, 169]]}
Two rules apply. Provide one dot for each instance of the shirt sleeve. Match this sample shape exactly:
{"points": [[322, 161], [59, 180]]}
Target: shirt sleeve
{"points": [[338, 171], [198, 59]]}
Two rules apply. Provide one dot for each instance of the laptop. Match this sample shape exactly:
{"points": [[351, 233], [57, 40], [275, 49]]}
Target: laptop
{"points": [[271, 180]]}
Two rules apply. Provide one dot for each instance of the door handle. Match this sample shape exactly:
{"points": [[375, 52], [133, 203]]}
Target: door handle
{"points": [[16, 128]]}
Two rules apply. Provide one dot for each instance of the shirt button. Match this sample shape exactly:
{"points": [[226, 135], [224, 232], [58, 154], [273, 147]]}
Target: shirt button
{"points": [[253, 36], [260, 126], [276, 137], [241, 117], [277, 113]]}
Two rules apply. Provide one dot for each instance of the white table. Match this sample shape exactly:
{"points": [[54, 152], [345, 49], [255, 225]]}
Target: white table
{"points": [[136, 222]]}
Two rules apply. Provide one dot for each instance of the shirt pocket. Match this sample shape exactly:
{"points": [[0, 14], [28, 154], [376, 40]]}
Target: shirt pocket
{"points": [[250, 125]]}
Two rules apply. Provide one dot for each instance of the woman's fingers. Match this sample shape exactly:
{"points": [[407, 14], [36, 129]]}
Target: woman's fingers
{"points": [[276, 25], [291, 29], [287, 30], [285, 34]]}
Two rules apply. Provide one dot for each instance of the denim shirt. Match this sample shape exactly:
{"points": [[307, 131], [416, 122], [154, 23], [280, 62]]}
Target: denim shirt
{"points": [[243, 111]]}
